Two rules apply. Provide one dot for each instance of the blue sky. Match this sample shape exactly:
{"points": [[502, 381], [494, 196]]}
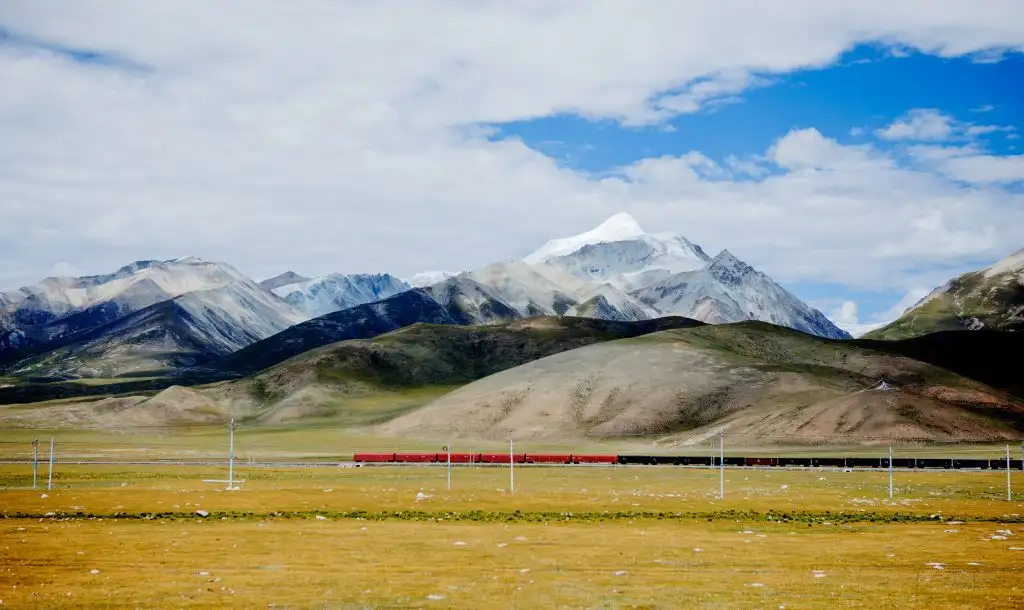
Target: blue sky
{"points": [[858, 173], [866, 89]]}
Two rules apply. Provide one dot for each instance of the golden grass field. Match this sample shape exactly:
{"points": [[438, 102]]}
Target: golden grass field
{"points": [[583, 537]]}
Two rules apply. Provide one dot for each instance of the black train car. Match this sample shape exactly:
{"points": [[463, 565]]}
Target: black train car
{"points": [[970, 463], [866, 462], [759, 461], [834, 462]]}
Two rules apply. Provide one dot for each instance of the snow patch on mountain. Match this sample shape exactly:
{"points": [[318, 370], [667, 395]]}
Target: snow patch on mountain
{"points": [[619, 227], [334, 292], [542, 290], [428, 278]]}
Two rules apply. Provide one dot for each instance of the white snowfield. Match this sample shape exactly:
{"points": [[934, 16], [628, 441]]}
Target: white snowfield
{"points": [[429, 278], [335, 292]]}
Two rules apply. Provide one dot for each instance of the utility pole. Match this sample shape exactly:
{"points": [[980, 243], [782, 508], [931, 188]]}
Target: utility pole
{"points": [[448, 448], [231, 459], [1009, 494], [49, 482], [35, 460], [721, 464], [511, 467], [890, 472]]}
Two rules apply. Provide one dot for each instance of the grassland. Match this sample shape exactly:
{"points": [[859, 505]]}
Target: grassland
{"points": [[388, 537]]}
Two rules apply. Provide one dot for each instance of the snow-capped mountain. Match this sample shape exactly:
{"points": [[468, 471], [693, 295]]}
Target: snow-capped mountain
{"points": [[729, 290], [620, 253], [671, 275], [63, 325], [428, 278], [334, 292], [185, 331], [59, 307]]}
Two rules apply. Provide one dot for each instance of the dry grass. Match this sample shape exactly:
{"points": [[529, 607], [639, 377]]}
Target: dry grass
{"points": [[612, 558], [352, 564]]}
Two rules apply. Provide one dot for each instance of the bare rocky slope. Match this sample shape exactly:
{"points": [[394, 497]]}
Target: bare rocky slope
{"points": [[762, 384]]}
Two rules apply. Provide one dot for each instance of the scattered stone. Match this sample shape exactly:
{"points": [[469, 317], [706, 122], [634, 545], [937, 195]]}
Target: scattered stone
{"points": [[952, 531], [44, 496], [321, 518], [622, 573], [819, 574], [954, 522], [460, 543], [936, 565], [94, 571], [524, 571], [756, 584], [502, 545], [698, 550], [435, 597], [202, 513], [974, 563], [1016, 548]]}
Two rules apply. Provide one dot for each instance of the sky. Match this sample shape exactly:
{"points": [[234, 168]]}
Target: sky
{"points": [[858, 153]]}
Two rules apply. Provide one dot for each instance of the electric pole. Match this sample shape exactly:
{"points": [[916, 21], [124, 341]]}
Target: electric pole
{"points": [[721, 464], [890, 472], [49, 482], [1009, 494], [448, 448], [35, 460], [511, 468], [231, 459]]}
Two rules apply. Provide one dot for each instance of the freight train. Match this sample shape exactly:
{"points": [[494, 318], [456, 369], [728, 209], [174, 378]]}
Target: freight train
{"points": [[684, 460]]}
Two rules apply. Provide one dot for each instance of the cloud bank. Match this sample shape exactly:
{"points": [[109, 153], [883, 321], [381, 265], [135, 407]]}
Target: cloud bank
{"points": [[349, 136]]}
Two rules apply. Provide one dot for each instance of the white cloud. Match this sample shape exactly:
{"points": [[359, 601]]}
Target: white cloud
{"points": [[928, 124], [984, 108], [919, 124], [980, 169], [343, 137]]}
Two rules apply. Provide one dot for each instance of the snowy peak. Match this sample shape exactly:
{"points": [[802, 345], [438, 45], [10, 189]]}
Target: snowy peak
{"points": [[619, 227], [285, 279], [620, 253], [728, 269]]}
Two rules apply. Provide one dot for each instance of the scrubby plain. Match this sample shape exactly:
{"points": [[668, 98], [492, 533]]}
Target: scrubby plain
{"points": [[569, 537]]}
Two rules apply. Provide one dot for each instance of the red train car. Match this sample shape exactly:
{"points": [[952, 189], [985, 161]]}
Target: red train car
{"points": [[373, 457], [595, 459], [546, 458], [501, 458], [416, 457], [457, 458], [759, 461]]}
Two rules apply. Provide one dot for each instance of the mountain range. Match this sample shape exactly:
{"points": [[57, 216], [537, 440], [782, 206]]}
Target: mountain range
{"points": [[190, 316]]}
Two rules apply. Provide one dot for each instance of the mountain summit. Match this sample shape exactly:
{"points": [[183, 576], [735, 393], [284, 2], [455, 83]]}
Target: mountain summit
{"points": [[674, 276], [619, 252], [619, 227]]}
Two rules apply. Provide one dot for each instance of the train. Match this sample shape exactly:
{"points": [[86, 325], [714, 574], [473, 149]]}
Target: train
{"points": [[684, 460]]}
